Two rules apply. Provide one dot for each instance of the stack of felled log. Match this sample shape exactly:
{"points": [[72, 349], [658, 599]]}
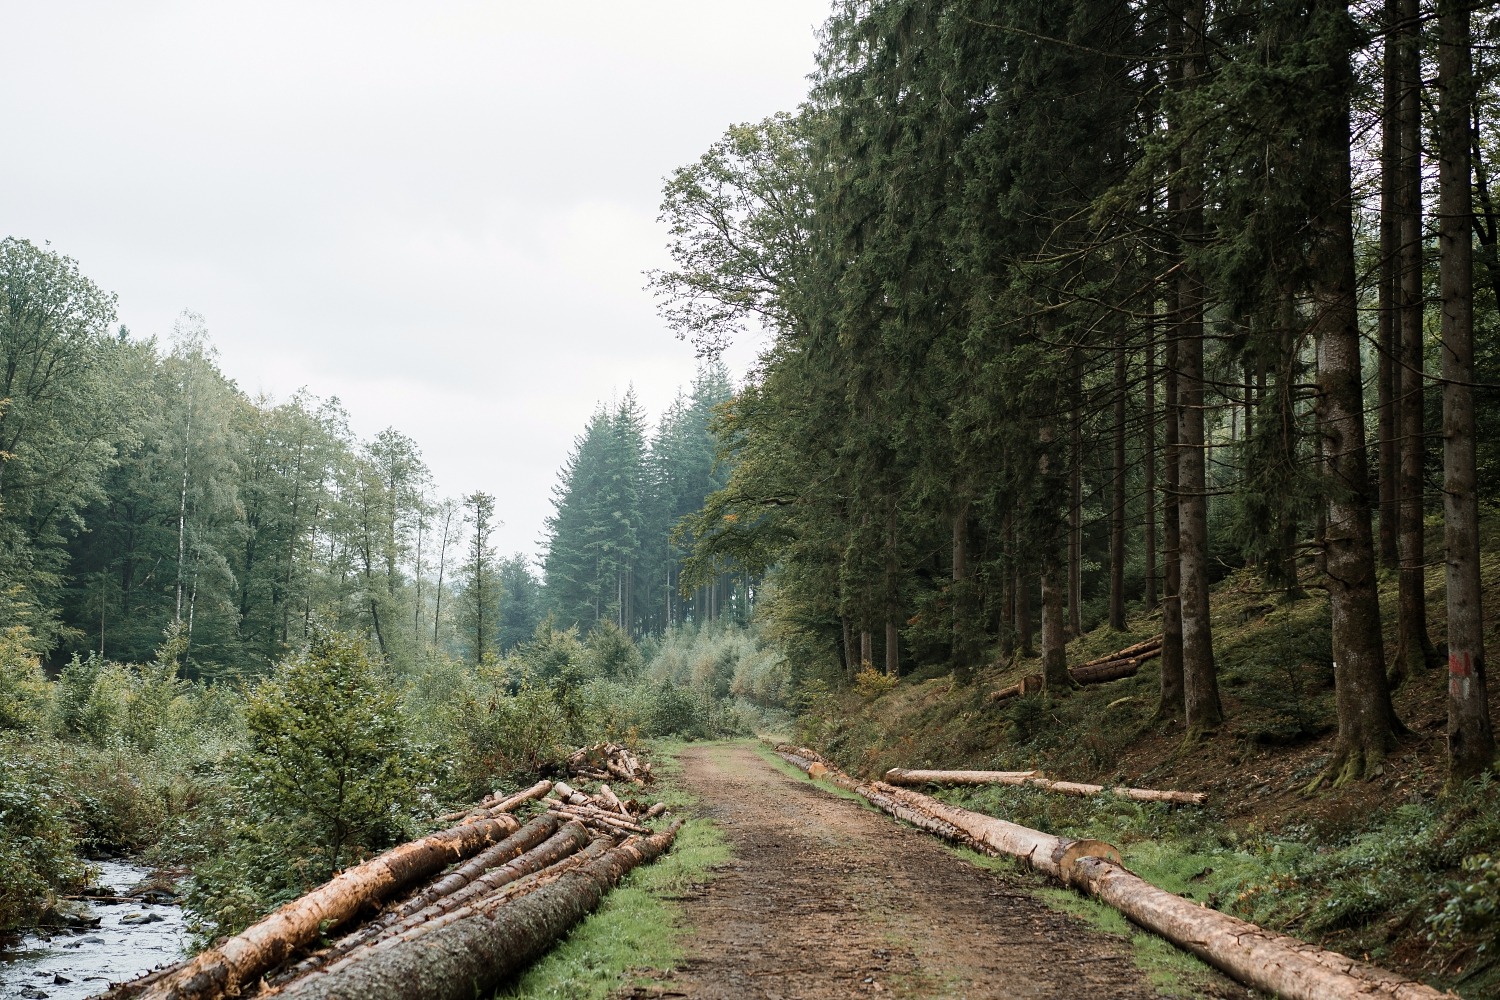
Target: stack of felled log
{"points": [[450, 915], [1110, 667], [610, 762]]}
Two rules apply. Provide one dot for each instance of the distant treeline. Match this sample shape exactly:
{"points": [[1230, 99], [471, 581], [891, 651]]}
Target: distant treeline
{"points": [[140, 487]]}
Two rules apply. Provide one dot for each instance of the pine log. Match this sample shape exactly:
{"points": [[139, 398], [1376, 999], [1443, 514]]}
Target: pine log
{"points": [[570, 795], [1147, 649], [1112, 670], [494, 803], [1030, 684], [554, 853], [611, 800], [655, 811], [265, 944], [803, 752], [1275, 963], [902, 776], [593, 814], [469, 955], [536, 791], [908, 776], [514, 857]]}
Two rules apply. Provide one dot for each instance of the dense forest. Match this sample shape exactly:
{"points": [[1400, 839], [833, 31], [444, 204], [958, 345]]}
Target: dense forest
{"points": [[1081, 324], [1078, 308]]}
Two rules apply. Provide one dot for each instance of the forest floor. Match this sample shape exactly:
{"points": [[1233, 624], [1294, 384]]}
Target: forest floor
{"points": [[824, 897]]}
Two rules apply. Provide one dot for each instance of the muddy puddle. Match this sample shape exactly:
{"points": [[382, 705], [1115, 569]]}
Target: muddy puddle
{"points": [[129, 938]]}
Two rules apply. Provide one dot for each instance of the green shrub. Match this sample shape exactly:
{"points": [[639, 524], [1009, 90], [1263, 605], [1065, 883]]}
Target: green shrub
{"points": [[330, 774], [25, 695], [1472, 907], [38, 853]]}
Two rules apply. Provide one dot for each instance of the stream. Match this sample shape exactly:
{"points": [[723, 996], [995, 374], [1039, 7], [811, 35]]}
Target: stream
{"points": [[69, 964]]}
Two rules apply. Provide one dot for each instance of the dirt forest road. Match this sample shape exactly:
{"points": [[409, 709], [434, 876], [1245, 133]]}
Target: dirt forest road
{"points": [[826, 898]]}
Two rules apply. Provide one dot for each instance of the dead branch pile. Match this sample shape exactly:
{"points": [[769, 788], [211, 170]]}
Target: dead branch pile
{"points": [[1110, 667], [1275, 963], [449, 915], [610, 762]]}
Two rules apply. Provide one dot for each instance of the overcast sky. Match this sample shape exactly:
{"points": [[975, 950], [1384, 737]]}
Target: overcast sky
{"points": [[438, 212]]}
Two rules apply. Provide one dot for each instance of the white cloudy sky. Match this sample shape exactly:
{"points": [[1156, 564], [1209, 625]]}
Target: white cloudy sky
{"points": [[438, 212]]}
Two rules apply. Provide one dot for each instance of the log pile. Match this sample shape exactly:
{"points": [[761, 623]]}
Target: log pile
{"points": [[1110, 667], [450, 915], [610, 762], [1275, 963]]}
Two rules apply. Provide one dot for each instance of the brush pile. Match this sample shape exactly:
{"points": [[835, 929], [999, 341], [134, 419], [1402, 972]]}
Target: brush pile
{"points": [[451, 915]]}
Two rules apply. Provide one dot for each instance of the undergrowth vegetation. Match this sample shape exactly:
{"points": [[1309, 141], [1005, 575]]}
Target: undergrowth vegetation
{"points": [[264, 787], [1397, 868]]}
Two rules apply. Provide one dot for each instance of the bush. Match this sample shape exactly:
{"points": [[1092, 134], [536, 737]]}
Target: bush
{"points": [[1472, 907], [25, 696], [329, 775], [38, 856]]}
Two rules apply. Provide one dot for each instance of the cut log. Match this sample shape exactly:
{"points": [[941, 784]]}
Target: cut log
{"points": [[1151, 647], [1112, 670], [915, 817], [570, 795], [1275, 963], [901, 776], [535, 846], [495, 803], [265, 944], [611, 800], [593, 814], [1030, 684], [907, 776], [655, 811], [510, 804], [469, 955]]}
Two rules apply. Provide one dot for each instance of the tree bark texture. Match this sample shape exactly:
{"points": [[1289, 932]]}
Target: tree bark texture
{"points": [[1367, 721], [1389, 376], [1414, 649], [1117, 506], [263, 945], [1200, 683], [473, 952], [1170, 705], [1471, 740]]}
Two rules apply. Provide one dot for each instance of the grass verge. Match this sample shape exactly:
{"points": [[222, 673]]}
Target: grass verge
{"points": [[636, 928]]}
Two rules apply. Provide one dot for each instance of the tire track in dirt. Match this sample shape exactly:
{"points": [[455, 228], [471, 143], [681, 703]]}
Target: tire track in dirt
{"points": [[825, 898]]}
